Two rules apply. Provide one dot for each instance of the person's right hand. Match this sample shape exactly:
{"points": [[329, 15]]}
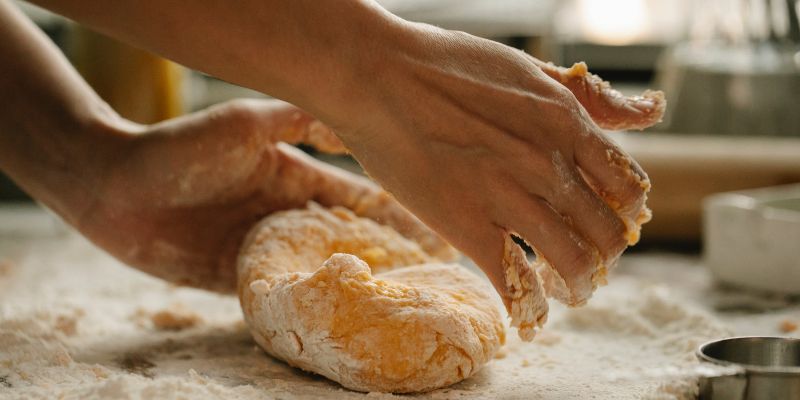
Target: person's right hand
{"points": [[481, 141]]}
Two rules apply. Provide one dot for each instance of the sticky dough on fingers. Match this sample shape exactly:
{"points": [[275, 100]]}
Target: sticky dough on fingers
{"points": [[609, 108], [347, 298]]}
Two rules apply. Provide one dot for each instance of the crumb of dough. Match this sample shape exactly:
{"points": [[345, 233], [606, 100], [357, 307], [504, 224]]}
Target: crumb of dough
{"points": [[600, 276], [99, 372], [68, 325], [528, 305], [788, 326], [140, 317], [62, 358], [175, 318], [548, 338], [5, 267], [137, 364], [577, 70], [501, 354]]}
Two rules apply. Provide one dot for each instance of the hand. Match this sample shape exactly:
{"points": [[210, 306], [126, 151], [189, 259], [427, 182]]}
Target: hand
{"points": [[480, 141], [177, 198]]}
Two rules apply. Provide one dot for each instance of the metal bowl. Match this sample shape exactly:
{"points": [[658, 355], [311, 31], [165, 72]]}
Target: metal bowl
{"points": [[767, 368]]}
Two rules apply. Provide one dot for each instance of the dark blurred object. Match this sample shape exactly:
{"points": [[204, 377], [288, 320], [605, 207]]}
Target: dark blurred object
{"points": [[9, 191], [629, 63], [739, 74]]}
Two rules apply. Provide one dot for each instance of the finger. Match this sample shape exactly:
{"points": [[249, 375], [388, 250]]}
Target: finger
{"points": [[585, 212], [507, 268], [616, 178], [486, 247], [572, 266], [529, 306], [335, 187], [286, 123], [608, 108]]}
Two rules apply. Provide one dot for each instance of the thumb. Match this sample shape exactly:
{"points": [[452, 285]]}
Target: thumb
{"points": [[609, 108], [333, 186]]}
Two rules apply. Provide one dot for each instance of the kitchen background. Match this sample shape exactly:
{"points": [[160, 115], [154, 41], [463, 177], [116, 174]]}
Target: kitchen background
{"points": [[725, 169], [730, 69]]}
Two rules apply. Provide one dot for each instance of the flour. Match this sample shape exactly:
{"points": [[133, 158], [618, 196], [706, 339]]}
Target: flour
{"points": [[69, 329]]}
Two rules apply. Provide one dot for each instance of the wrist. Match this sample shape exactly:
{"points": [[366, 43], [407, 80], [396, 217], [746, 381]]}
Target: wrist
{"points": [[364, 45], [61, 160]]}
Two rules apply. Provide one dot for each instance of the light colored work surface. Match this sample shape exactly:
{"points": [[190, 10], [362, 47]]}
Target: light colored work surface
{"points": [[76, 324]]}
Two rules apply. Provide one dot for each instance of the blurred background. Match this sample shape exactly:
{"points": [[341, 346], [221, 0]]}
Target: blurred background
{"points": [[730, 70]]}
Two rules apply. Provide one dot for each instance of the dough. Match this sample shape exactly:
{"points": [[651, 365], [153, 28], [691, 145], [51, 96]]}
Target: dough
{"points": [[355, 301]]}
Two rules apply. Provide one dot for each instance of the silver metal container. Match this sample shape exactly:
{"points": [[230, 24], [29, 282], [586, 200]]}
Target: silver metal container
{"points": [[765, 368], [739, 73]]}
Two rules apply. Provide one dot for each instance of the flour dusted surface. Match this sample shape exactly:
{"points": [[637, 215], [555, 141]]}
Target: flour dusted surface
{"points": [[76, 324]]}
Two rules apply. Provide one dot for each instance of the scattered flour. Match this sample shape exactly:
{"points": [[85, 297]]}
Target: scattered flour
{"points": [[66, 331], [175, 318]]}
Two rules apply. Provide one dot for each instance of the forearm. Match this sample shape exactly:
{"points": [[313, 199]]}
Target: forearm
{"points": [[48, 117], [308, 52]]}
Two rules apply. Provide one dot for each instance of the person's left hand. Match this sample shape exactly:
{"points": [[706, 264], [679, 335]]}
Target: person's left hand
{"points": [[178, 197]]}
